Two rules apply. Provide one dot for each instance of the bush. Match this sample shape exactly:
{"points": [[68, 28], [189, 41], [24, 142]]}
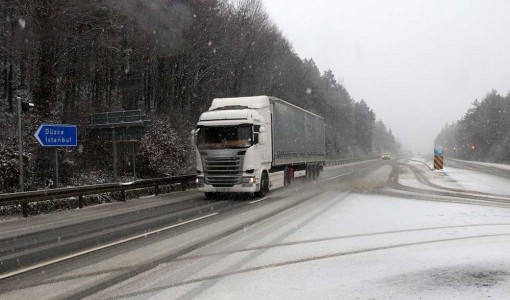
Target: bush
{"points": [[166, 150]]}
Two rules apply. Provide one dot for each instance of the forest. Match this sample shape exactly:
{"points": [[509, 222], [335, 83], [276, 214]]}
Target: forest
{"points": [[483, 133], [167, 58]]}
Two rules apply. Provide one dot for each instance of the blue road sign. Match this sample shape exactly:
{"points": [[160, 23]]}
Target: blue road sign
{"points": [[438, 151], [57, 135]]}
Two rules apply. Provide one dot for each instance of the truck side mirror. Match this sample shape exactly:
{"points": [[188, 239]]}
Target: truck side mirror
{"points": [[194, 137]]}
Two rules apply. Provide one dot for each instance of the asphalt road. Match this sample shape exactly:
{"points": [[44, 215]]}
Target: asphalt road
{"points": [[184, 246]]}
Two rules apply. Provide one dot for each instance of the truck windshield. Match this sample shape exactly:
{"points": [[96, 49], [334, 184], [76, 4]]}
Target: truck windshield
{"points": [[239, 136]]}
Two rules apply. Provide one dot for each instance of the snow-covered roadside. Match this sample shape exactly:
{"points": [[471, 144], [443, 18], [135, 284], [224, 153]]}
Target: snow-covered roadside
{"points": [[473, 181], [319, 259], [455, 178], [492, 165]]}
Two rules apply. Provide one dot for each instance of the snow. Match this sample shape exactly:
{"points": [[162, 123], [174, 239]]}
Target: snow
{"points": [[492, 165], [455, 178], [407, 178], [22, 23], [471, 180], [337, 245], [332, 248]]}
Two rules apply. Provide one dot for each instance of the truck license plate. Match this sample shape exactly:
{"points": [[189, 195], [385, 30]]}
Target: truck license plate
{"points": [[223, 190]]}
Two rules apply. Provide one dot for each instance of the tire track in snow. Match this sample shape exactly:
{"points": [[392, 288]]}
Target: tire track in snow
{"points": [[190, 257], [303, 260], [466, 198]]}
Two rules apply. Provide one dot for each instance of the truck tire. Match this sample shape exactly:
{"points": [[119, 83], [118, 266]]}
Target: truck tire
{"points": [[264, 185], [311, 172], [286, 177]]}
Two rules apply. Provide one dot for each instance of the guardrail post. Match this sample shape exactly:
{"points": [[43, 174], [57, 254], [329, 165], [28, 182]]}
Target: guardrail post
{"points": [[24, 209], [123, 195], [184, 185], [156, 189], [80, 201]]}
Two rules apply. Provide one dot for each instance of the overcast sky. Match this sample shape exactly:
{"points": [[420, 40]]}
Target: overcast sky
{"points": [[418, 64]]}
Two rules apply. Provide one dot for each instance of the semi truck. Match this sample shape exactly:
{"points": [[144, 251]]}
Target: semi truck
{"points": [[256, 144]]}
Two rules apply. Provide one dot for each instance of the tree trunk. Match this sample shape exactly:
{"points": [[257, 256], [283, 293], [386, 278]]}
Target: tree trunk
{"points": [[22, 75], [10, 88], [45, 90]]}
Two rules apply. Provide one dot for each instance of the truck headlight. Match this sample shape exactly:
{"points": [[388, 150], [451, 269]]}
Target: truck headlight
{"points": [[200, 180], [249, 179]]}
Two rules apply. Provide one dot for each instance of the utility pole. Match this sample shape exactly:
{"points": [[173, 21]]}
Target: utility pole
{"points": [[24, 205], [134, 160], [20, 146], [114, 148], [55, 185]]}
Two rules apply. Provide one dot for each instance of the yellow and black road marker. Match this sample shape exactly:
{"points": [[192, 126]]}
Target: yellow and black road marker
{"points": [[438, 162]]}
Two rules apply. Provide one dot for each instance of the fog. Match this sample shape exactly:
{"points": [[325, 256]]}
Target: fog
{"points": [[418, 64]]}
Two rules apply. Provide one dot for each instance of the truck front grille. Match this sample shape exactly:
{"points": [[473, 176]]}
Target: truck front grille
{"points": [[222, 171]]}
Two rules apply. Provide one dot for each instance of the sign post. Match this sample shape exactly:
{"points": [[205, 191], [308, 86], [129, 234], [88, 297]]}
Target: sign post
{"points": [[20, 148], [118, 127], [57, 135], [114, 150], [438, 157]]}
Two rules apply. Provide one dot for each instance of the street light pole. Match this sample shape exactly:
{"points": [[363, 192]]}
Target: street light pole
{"points": [[24, 205], [20, 147]]}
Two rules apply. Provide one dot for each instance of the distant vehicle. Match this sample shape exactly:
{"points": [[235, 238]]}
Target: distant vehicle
{"points": [[386, 156], [256, 144]]}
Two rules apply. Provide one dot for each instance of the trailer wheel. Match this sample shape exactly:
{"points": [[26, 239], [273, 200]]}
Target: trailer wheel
{"points": [[264, 185], [312, 172], [309, 173]]}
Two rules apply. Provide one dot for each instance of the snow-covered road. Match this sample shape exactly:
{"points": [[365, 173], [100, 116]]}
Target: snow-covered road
{"points": [[379, 230], [344, 245]]}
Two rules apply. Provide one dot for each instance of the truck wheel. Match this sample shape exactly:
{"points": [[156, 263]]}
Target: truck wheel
{"points": [[311, 172], [286, 177], [264, 185]]}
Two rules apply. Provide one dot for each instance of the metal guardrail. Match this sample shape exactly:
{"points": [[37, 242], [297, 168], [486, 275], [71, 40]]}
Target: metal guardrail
{"points": [[478, 166], [81, 191], [337, 162]]}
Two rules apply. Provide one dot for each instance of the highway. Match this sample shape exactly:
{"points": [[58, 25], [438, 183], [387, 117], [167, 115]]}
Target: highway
{"points": [[376, 229]]}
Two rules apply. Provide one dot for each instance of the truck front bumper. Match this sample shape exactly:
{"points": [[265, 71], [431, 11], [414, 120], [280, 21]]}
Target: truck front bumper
{"points": [[238, 188]]}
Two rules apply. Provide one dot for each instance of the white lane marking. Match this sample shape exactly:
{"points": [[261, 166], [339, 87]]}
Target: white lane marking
{"points": [[56, 260], [255, 201], [336, 176]]}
